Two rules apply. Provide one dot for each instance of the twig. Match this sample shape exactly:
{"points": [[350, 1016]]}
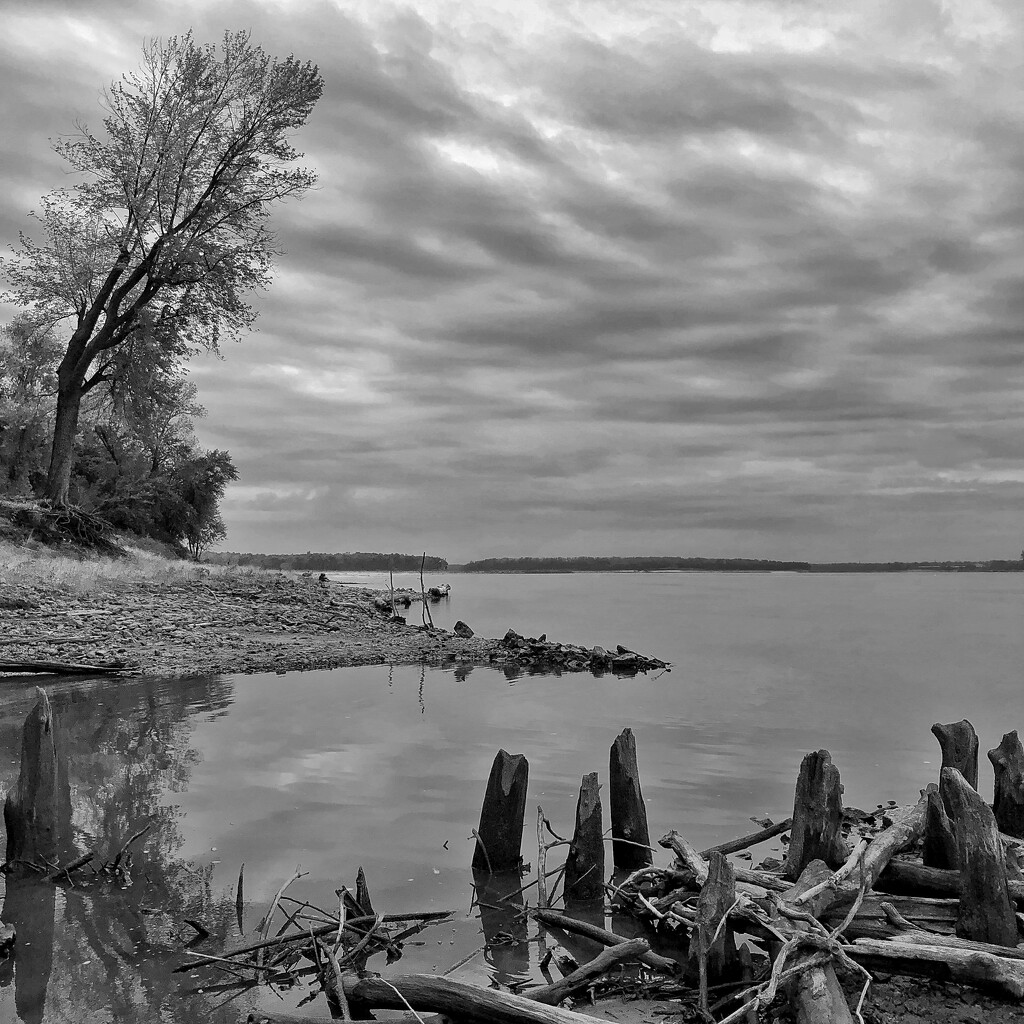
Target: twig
{"points": [[264, 927]]}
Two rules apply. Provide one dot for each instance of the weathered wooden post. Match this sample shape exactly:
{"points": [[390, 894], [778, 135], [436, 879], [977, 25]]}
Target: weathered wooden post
{"points": [[584, 867], [39, 804], [1008, 764], [713, 947], [986, 912], [940, 849], [817, 816], [631, 842], [499, 839], [959, 745]]}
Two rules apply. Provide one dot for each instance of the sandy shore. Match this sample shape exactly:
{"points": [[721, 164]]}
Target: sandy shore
{"points": [[196, 621]]}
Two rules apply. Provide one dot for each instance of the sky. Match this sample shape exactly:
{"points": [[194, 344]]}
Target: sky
{"points": [[721, 277]]}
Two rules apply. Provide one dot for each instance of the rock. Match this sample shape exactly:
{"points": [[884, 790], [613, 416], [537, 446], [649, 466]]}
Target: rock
{"points": [[461, 629], [7, 937]]}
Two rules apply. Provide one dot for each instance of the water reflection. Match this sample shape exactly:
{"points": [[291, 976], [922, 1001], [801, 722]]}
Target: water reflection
{"points": [[104, 947], [499, 900]]}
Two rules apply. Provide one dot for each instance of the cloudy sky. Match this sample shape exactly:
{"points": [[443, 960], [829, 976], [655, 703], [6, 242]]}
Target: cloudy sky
{"points": [[720, 277]]}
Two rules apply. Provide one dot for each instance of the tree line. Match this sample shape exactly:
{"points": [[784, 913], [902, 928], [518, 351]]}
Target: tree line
{"points": [[656, 563], [145, 260], [317, 561]]}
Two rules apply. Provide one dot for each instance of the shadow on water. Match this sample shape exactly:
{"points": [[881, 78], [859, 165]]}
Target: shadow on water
{"points": [[104, 947]]}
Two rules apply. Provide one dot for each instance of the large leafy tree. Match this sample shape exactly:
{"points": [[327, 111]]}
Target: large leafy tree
{"points": [[166, 232]]}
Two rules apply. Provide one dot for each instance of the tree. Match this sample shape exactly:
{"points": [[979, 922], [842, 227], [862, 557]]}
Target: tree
{"points": [[167, 232]]}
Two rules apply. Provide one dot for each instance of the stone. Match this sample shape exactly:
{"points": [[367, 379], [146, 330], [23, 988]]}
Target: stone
{"points": [[461, 629]]}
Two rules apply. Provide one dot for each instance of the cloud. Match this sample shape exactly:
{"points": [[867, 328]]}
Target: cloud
{"points": [[721, 278]]}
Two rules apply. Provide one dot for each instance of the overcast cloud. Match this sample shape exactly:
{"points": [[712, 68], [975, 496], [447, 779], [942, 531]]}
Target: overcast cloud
{"points": [[581, 277]]}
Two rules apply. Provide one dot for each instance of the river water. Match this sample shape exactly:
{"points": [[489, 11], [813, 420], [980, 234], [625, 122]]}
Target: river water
{"points": [[385, 767]]}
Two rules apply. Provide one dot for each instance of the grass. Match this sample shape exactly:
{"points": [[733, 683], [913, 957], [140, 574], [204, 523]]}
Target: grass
{"points": [[30, 567]]}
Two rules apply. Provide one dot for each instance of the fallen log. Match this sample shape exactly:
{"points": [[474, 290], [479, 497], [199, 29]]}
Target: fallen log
{"points": [[61, 668], [452, 998], [686, 856], [980, 970], [553, 919], [745, 842], [553, 994], [986, 912], [817, 816]]}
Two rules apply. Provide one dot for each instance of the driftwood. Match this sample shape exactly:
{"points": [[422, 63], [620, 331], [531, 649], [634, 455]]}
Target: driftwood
{"points": [[687, 857], [983, 970], [1008, 764], [631, 840], [584, 866], [61, 668], [465, 1002], [554, 919], [959, 745], [500, 835], [745, 842], [553, 994], [939, 836], [986, 912], [817, 816]]}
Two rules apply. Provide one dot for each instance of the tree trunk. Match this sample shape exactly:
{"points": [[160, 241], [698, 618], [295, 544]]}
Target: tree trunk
{"points": [[1008, 764], [959, 745], [817, 816], [584, 867], [62, 454], [631, 840]]}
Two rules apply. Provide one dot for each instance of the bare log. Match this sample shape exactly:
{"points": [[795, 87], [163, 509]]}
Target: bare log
{"points": [[687, 856], [939, 836], [980, 970], [584, 867], [986, 913], [745, 842], [817, 816], [500, 835], [959, 745], [465, 1002], [905, 878], [553, 919], [553, 994], [1008, 764], [631, 840], [60, 668]]}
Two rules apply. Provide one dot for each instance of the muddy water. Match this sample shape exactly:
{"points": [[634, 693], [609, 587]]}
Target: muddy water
{"points": [[384, 767]]}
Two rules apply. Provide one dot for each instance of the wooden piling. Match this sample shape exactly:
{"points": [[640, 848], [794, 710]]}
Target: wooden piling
{"points": [[631, 842], [959, 745], [817, 816], [584, 867], [986, 912], [37, 811], [500, 835], [1008, 764]]}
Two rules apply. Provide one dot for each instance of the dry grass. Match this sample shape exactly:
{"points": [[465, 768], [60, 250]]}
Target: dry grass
{"points": [[46, 568]]}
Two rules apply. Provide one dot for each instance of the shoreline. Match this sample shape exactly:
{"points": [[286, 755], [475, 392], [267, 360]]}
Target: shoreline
{"points": [[193, 621]]}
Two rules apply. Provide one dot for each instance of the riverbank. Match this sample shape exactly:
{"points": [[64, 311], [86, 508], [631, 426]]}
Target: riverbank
{"points": [[155, 616]]}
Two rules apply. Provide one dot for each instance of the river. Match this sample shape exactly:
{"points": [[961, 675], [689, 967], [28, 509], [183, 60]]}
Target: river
{"points": [[385, 767]]}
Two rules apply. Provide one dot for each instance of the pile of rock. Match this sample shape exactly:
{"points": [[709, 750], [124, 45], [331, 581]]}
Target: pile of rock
{"points": [[541, 654]]}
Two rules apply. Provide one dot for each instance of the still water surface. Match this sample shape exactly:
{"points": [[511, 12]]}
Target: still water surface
{"points": [[384, 767]]}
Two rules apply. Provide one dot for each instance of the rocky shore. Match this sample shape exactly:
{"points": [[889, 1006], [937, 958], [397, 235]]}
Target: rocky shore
{"points": [[198, 621]]}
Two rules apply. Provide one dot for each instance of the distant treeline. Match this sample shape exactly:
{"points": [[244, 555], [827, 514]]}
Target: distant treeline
{"points": [[318, 561], [654, 563]]}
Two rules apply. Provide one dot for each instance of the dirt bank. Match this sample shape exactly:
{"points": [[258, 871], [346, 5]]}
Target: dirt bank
{"points": [[186, 621]]}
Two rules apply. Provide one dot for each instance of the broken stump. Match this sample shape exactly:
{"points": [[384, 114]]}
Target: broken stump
{"points": [[584, 867], [817, 816], [500, 835], [940, 849], [631, 841], [1008, 764], [959, 745]]}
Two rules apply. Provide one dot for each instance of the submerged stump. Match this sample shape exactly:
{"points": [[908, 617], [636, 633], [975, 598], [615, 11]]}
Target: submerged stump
{"points": [[500, 835], [584, 867], [817, 816], [1008, 764], [631, 841]]}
